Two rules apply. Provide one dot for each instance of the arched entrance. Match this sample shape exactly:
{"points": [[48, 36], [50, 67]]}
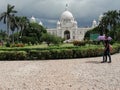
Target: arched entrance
{"points": [[67, 35]]}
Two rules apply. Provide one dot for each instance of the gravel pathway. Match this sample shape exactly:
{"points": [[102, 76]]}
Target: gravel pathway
{"points": [[69, 74]]}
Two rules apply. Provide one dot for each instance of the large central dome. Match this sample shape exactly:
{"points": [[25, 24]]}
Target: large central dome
{"points": [[66, 15]]}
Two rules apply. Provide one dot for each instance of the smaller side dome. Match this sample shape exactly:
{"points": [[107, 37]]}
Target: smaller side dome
{"points": [[32, 19], [94, 24], [40, 23], [75, 22], [58, 22]]}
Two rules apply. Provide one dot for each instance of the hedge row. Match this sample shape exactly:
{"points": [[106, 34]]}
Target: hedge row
{"points": [[13, 55], [54, 53], [67, 53]]}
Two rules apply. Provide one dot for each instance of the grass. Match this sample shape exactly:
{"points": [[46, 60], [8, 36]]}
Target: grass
{"points": [[55, 46], [41, 46]]}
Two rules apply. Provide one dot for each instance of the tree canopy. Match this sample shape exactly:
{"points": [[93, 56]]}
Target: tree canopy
{"points": [[109, 25], [33, 33]]}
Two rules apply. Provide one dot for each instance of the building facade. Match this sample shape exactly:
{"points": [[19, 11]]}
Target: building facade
{"points": [[67, 27]]}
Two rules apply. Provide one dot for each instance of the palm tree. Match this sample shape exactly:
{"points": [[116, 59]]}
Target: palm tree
{"points": [[103, 26], [5, 16], [22, 23], [113, 18], [110, 21], [13, 26]]}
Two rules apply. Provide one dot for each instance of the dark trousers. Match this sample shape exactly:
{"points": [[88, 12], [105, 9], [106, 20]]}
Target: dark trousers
{"points": [[106, 53]]}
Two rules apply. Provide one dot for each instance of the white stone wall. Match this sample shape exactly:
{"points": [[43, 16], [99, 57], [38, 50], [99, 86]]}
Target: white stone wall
{"points": [[52, 31], [75, 34]]}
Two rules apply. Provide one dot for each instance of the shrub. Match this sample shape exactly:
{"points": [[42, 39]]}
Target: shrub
{"points": [[79, 43], [7, 44], [112, 42], [18, 45], [11, 55], [35, 54]]}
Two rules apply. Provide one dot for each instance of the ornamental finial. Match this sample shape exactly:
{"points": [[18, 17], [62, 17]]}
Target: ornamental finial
{"points": [[66, 7]]}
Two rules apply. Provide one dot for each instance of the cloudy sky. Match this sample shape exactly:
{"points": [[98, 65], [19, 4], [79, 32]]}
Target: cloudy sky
{"points": [[49, 11]]}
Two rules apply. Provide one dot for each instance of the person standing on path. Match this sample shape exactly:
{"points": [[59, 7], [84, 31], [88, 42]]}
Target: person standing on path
{"points": [[106, 51]]}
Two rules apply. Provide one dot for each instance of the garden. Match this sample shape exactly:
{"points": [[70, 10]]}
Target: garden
{"points": [[30, 41], [45, 52]]}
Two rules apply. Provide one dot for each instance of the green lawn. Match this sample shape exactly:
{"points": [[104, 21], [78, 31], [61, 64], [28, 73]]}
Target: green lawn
{"points": [[42, 46], [55, 46]]}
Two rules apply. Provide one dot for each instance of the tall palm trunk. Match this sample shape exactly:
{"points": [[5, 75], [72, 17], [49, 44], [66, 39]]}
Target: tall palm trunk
{"points": [[17, 36], [13, 37], [8, 34]]}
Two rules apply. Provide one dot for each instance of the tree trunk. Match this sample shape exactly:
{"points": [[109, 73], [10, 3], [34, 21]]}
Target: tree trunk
{"points": [[13, 37], [8, 34]]}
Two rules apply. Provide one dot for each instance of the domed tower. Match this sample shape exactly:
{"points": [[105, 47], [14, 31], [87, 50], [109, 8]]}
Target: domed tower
{"points": [[58, 24], [40, 23], [94, 24], [67, 26], [67, 18], [32, 20], [75, 24]]}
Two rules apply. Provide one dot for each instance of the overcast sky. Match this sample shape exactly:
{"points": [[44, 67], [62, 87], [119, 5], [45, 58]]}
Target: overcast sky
{"points": [[49, 11]]}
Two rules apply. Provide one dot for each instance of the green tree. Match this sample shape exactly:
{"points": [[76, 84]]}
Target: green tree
{"points": [[118, 34], [113, 17], [103, 25], [3, 35], [110, 21], [51, 39], [92, 31], [22, 24], [5, 16], [33, 33], [13, 26]]}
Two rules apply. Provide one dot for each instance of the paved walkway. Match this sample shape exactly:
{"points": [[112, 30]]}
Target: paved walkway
{"points": [[72, 74]]}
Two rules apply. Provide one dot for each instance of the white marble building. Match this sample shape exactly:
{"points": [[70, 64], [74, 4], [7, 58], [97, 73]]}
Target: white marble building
{"points": [[67, 27]]}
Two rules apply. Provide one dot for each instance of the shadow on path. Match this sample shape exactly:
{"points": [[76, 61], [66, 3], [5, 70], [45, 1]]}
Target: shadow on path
{"points": [[94, 62]]}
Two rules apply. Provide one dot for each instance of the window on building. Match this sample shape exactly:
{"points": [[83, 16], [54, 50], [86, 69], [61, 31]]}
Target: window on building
{"points": [[73, 37], [73, 32], [80, 32]]}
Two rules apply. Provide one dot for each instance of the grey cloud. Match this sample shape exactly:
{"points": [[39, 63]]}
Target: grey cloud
{"points": [[50, 10]]}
